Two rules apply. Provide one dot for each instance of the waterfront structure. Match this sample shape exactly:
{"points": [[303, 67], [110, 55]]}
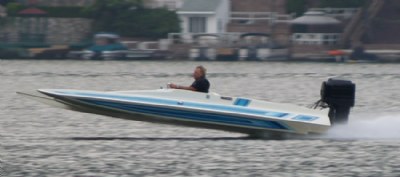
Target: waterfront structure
{"points": [[314, 28], [227, 20]]}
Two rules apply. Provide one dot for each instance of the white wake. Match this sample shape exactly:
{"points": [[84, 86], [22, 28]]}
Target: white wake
{"points": [[367, 127]]}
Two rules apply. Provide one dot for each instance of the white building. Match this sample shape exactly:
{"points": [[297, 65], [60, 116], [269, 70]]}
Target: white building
{"points": [[204, 16]]}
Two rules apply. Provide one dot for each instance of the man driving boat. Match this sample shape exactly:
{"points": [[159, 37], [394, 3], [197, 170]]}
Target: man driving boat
{"points": [[200, 83]]}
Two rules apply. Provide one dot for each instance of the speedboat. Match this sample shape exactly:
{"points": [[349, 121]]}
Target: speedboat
{"points": [[211, 110], [107, 46]]}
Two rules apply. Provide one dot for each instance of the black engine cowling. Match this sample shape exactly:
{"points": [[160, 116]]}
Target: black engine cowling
{"points": [[340, 97]]}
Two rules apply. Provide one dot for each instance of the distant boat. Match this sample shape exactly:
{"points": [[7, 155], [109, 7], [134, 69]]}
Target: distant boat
{"points": [[260, 47], [212, 47], [205, 47], [108, 47]]}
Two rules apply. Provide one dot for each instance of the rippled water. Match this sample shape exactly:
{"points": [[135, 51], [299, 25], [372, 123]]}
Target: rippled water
{"points": [[37, 140]]}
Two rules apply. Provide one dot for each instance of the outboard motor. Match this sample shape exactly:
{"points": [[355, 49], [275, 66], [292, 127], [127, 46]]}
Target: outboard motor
{"points": [[339, 95]]}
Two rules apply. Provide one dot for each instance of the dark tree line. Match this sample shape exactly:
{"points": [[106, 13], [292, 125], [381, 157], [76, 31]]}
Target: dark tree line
{"points": [[125, 17], [130, 18]]}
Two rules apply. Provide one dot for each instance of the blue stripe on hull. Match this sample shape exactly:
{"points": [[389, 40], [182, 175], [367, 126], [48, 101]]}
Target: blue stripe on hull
{"points": [[305, 118], [240, 108], [189, 115]]}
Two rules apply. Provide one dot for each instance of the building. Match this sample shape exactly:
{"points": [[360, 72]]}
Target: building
{"points": [[32, 28], [227, 20], [314, 28], [204, 16]]}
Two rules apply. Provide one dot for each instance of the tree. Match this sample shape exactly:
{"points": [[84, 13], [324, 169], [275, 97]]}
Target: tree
{"points": [[153, 23], [130, 18], [106, 12], [5, 2], [296, 6]]}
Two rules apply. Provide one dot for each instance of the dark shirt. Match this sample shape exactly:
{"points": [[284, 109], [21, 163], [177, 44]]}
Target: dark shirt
{"points": [[201, 85]]}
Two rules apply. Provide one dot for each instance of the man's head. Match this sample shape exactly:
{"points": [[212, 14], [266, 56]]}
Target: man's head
{"points": [[199, 72]]}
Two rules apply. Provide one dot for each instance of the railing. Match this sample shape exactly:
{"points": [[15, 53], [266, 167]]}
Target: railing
{"points": [[146, 45], [271, 17], [190, 38], [316, 38]]}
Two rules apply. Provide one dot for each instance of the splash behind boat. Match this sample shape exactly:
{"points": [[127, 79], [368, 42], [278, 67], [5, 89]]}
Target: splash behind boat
{"points": [[211, 110]]}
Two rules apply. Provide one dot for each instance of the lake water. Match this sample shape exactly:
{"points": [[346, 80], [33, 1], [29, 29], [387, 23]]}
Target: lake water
{"points": [[38, 140]]}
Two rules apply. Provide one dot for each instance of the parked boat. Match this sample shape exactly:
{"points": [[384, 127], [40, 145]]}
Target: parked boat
{"points": [[259, 46], [204, 48], [212, 47], [108, 47]]}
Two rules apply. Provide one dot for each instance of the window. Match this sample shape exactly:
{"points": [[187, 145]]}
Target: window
{"points": [[197, 24]]}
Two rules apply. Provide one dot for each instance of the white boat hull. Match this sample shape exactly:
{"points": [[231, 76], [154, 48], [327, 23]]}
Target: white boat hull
{"points": [[187, 108]]}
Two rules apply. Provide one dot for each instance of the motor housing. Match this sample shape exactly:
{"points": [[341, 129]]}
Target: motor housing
{"points": [[339, 95]]}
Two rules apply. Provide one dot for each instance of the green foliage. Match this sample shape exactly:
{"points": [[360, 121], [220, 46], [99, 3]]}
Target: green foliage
{"points": [[125, 17], [5, 20], [106, 12], [60, 12], [296, 6], [13, 8], [103, 8], [129, 18], [154, 23], [64, 12], [343, 3], [5, 2]]}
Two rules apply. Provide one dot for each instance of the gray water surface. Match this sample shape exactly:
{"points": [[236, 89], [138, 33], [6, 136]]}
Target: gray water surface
{"points": [[38, 140]]}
